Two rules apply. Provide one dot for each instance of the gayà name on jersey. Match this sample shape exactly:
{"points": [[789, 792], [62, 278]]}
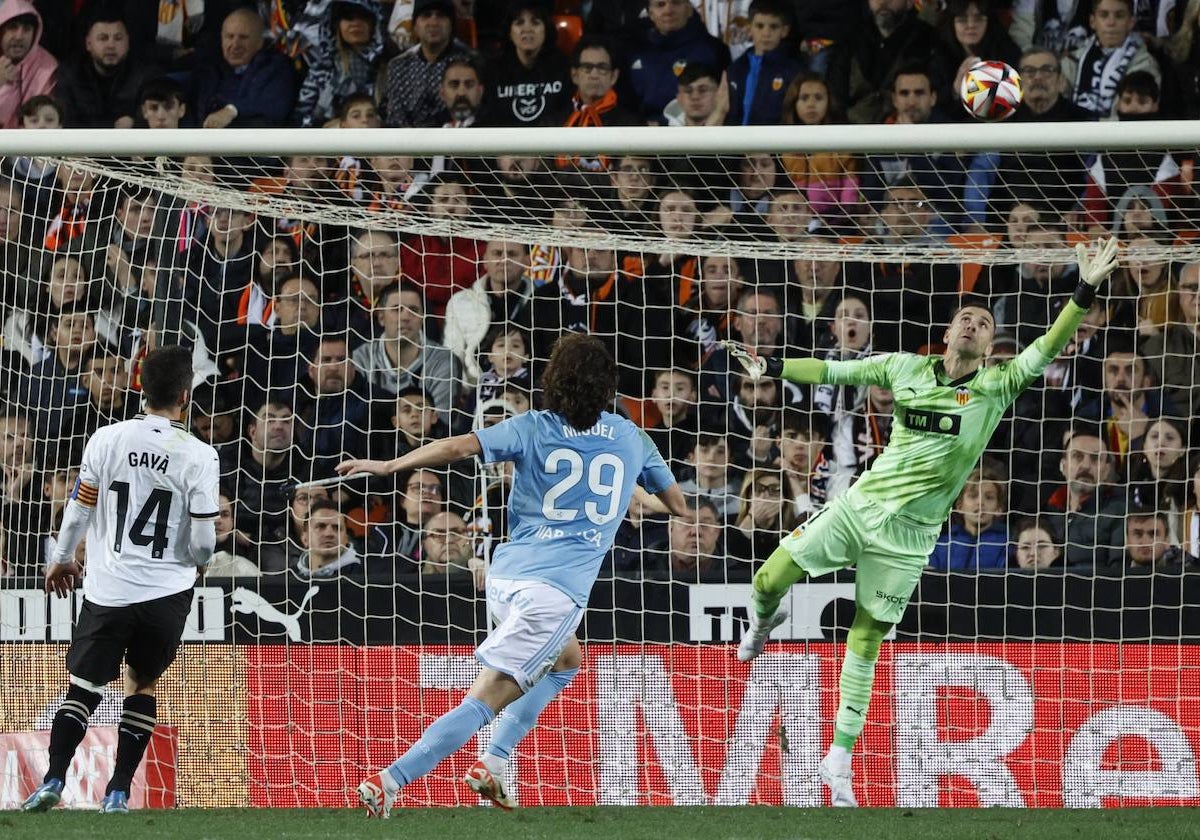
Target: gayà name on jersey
{"points": [[150, 461]]}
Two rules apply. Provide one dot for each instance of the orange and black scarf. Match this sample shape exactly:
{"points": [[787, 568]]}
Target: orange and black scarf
{"points": [[67, 226], [588, 116]]}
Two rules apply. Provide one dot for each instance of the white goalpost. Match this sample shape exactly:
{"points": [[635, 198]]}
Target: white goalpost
{"points": [[354, 292]]}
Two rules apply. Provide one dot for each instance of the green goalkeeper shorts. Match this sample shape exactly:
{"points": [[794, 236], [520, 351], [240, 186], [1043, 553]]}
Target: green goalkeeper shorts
{"points": [[888, 550]]}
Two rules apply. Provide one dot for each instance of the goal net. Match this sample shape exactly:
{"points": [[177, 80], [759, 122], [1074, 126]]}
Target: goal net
{"points": [[356, 293]]}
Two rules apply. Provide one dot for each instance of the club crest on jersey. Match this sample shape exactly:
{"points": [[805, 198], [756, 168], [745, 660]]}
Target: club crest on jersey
{"points": [[962, 395]]}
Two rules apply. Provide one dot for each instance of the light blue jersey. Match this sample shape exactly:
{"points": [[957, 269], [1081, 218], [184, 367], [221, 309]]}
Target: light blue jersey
{"points": [[570, 491]]}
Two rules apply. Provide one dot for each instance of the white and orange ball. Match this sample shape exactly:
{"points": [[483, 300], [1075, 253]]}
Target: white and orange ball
{"points": [[990, 90]]}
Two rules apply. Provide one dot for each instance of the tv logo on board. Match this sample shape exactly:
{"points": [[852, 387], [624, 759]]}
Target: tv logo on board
{"points": [[719, 612]]}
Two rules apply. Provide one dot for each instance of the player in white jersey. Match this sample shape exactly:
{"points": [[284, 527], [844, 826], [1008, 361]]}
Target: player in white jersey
{"points": [[147, 499]]}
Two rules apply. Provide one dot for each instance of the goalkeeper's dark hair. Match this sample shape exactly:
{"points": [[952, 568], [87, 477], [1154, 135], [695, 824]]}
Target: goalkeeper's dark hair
{"points": [[580, 380], [973, 302], [166, 375]]}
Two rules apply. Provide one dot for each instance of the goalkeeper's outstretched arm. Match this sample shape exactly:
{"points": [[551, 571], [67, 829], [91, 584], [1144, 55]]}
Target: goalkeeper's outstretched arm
{"points": [[1092, 272], [1030, 363], [872, 371], [803, 371]]}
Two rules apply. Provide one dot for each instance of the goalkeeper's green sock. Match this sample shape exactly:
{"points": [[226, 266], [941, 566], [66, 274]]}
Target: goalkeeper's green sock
{"points": [[854, 697], [772, 582]]}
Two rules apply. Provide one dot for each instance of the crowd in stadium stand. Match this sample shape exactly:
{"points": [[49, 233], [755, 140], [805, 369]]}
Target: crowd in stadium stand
{"points": [[314, 342]]}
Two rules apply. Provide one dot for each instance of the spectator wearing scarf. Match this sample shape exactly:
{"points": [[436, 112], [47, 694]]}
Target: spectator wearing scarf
{"points": [[1112, 51], [594, 73], [343, 63]]}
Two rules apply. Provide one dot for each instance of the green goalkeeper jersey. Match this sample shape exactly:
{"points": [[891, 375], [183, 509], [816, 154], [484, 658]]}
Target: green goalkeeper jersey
{"points": [[941, 426]]}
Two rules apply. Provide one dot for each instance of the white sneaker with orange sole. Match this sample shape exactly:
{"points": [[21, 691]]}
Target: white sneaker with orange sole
{"points": [[377, 795], [489, 785]]}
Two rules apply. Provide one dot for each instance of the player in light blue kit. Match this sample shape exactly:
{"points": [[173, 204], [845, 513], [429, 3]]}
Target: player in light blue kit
{"points": [[575, 467]]}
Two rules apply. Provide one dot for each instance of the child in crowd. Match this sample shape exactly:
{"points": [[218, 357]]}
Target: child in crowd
{"points": [[36, 175], [713, 479], [389, 181], [670, 415], [802, 440], [41, 112], [829, 180], [506, 364], [758, 79], [355, 111], [1158, 471], [978, 536]]}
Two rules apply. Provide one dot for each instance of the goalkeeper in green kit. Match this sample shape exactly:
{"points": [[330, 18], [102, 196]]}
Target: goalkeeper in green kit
{"points": [[886, 524]]}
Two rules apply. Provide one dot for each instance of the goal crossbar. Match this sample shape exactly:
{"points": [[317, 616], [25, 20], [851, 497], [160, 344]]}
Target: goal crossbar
{"points": [[970, 137]]}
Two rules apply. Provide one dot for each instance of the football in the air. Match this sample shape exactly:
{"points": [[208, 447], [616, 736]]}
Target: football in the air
{"points": [[990, 90]]}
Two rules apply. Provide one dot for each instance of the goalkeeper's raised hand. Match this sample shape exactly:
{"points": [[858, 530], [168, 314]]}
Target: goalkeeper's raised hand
{"points": [[1094, 270], [755, 365]]}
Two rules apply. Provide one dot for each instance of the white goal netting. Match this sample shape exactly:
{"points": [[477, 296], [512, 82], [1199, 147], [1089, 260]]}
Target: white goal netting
{"points": [[358, 305]]}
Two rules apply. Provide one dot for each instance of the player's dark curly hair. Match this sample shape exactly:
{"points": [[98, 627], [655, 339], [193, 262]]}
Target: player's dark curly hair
{"points": [[580, 380]]}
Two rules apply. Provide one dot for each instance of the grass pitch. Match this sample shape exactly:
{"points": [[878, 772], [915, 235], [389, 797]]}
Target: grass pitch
{"points": [[747, 823]]}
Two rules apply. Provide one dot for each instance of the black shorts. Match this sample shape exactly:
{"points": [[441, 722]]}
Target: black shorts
{"points": [[145, 635]]}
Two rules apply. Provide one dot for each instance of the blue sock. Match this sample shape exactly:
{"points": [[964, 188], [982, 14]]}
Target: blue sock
{"points": [[444, 736], [520, 715]]}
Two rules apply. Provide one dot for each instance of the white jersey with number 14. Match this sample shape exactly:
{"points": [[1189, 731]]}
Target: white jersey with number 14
{"points": [[149, 478]]}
